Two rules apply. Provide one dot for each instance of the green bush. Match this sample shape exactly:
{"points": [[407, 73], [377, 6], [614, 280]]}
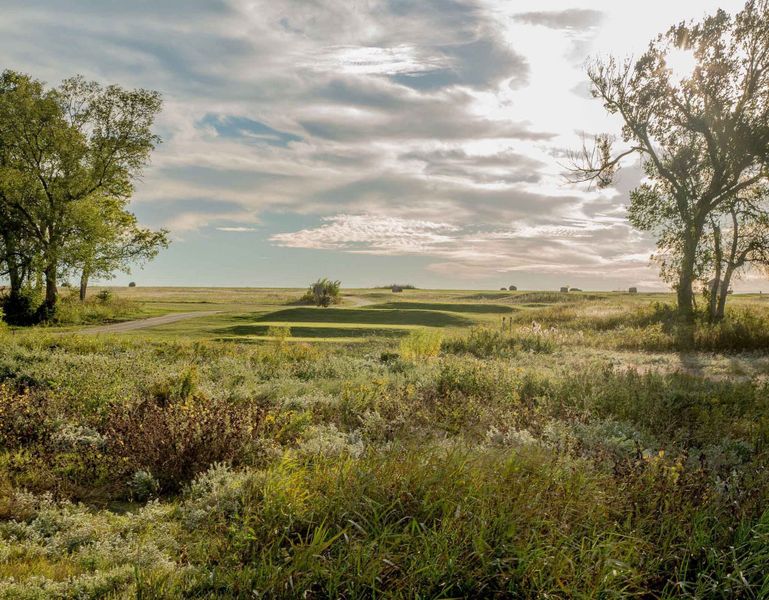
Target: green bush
{"points": [[484, 342], [22, 309], [421, 343], [102, 308], [323, 292]]}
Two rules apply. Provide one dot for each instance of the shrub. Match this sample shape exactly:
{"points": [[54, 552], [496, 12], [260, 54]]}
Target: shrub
{"points": [[104, 296], [176, 441], [132, 284], [279, 333], [22, 309], [484, 342], [99, 309], [323, 292], [421, 343]]}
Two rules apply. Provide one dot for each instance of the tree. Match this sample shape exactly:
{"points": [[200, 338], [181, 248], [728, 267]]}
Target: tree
{"points": [[739, 238], [109, 240], [701, 132], [323, 292], [64, 146]]}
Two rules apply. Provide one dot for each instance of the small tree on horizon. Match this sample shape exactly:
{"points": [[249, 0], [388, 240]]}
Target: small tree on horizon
{"points": [[323, 292]]}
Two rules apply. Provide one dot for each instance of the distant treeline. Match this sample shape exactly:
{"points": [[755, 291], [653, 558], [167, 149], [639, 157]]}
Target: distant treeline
{"points": [[403, 286]]}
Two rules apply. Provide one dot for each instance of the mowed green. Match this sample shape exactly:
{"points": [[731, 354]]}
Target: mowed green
{"points": [[248, 314]]}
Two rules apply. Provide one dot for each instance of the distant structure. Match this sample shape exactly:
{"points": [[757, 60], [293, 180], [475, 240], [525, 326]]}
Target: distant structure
{"points": [[565, 289], [132, 284], [632, 290], [575, 290], [513, 288], [396, 289]]}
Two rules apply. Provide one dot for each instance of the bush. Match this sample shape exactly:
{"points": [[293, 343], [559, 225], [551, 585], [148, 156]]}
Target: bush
{"points": [[104, 296], [421, 343], [23, 308], [102, 308], [177, 441], [323, 292], [484, 342]]}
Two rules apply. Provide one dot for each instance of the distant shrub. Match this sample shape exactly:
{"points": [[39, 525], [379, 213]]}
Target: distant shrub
{"points": [[402, 286], [323, 292], [421, 343], [132, 284], [104, 296]]}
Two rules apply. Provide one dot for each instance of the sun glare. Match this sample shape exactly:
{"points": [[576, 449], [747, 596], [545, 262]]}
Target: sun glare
{"points": [[681, 63]]}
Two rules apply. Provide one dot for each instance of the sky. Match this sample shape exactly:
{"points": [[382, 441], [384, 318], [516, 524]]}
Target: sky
{"points": [[371, 141]]}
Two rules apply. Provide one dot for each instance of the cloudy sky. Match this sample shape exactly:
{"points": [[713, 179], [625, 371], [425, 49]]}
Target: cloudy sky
{"points": [[371, 141]]}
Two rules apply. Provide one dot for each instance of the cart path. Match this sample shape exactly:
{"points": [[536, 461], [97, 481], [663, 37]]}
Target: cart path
{"points": [[146, 323]]}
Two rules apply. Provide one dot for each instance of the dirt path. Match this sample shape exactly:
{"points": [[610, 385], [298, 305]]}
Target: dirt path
{"points": [[357, 301], [146, 323]]}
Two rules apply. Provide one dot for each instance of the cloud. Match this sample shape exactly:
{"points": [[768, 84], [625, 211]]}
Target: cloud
{"points": [[243, 128], [473, 252], [400, 128], [572, 19], [369, 234]]}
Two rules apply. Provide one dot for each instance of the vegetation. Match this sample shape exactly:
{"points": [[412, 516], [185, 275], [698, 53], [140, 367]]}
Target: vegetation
{"points": [[702, 133], [323, 292], [546, 458], [69, 157]]}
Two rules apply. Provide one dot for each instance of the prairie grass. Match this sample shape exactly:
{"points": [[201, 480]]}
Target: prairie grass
{"points": [[524, 463]]}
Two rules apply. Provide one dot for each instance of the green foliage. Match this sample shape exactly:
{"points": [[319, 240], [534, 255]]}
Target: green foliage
{"points": [[21, 308], [485, 342], [104, 295], [323, 292], [64, 192], [104, 308], [421, 343]]}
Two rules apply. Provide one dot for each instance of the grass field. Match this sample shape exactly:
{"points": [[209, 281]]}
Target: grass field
{"points": [[430, 444]]}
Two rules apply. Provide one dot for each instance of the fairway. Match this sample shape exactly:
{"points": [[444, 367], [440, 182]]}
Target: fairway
{"points": [[457, 307], [425, 318]]}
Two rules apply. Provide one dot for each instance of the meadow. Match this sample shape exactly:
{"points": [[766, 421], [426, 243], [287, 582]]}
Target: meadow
{"points": [[427, 444]]}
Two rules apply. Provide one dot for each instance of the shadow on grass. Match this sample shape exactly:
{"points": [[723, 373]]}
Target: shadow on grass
{"points": [[314, 332], [367, 316], [457, 308]]}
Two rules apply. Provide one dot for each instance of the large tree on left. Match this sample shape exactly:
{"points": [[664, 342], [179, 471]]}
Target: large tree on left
{"points": [[61, 147]]}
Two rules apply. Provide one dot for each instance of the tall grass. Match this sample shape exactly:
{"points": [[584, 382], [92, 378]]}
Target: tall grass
{"points": [[509, 464], [421, 343]]}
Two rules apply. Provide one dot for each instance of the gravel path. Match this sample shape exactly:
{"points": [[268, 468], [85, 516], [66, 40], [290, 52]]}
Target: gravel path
{"points": [[146, 323]]}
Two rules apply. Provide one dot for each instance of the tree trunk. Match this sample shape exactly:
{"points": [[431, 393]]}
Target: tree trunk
{"points": [[51, 293], [83, 285], [684, 292], [723, 293], [713, 298]]}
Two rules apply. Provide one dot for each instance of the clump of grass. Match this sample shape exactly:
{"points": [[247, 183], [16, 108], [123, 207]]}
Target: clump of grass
{"points": [[484, 342], [104, 307], [421, 344]]}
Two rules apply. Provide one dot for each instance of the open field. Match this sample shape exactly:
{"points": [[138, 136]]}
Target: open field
{"points": [[410, 445]]}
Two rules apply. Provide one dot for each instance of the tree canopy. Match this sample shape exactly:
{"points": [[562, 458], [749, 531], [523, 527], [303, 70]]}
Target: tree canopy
{"points": [[69, 159], [702, 134]]}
